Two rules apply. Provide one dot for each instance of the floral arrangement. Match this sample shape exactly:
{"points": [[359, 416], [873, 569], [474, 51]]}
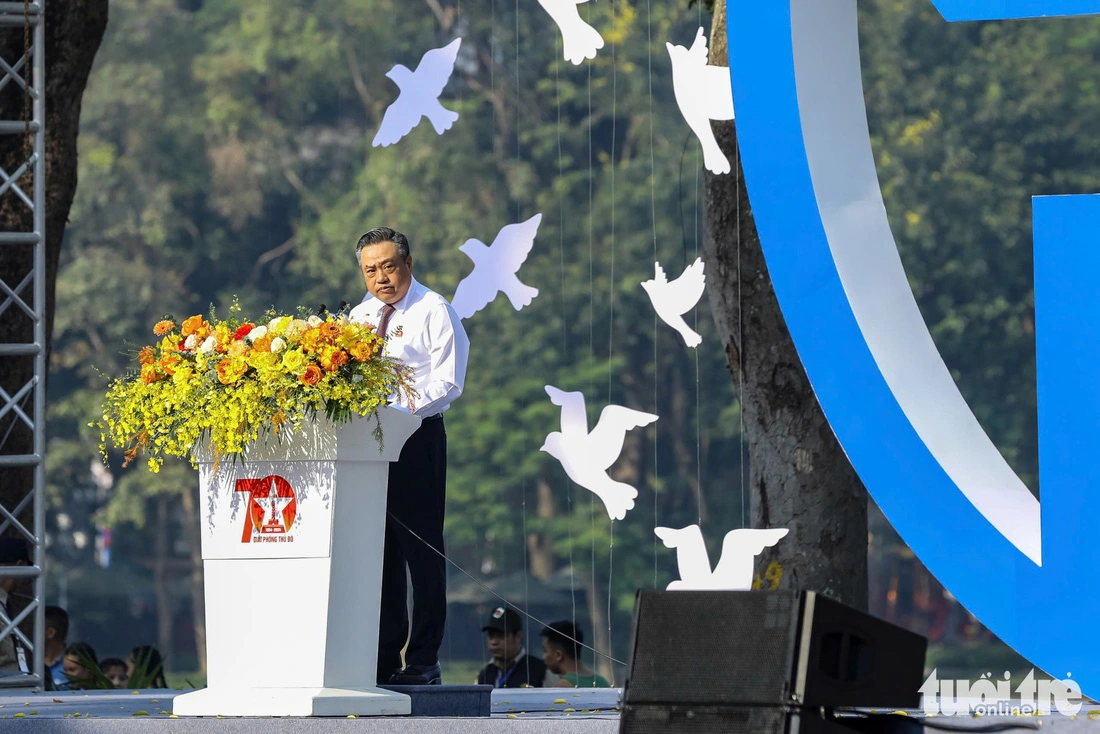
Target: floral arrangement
{"points": [[230, 380]]}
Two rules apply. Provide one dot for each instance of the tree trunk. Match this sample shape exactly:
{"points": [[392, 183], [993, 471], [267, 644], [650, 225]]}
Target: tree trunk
{"points": [[74, 29], [540, 546], [597, 614], [198, 593], [798, 474], [160, 579]]}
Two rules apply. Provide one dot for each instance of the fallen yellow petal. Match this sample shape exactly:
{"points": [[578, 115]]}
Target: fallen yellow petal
{"points": [[140, 713], [560, 700]]}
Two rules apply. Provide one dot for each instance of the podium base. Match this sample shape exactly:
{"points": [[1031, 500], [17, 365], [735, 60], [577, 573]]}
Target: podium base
{"points": [[292, 702]]}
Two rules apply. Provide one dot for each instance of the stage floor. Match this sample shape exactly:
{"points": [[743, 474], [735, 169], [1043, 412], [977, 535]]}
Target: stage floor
{"points": [[514, 711]]}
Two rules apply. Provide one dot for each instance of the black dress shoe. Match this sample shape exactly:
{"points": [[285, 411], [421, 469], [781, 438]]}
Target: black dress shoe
{"points": [[384, 678], [418, 675]]}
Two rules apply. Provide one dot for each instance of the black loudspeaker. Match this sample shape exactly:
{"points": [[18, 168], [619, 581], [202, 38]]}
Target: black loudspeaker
{"points": [[761, 661]]}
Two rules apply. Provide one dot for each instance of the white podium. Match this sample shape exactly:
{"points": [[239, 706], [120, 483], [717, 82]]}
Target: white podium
{"points": [[292, 542]]}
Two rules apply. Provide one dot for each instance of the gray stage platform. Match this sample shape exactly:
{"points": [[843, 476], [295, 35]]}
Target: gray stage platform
{"points": [[514, 711]]}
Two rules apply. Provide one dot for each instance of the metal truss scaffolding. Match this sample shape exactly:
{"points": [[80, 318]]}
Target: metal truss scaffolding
{"points": [[25, 407]]}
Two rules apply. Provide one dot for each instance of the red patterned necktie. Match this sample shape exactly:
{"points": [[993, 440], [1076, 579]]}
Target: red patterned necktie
{"points": [[387, 312]]}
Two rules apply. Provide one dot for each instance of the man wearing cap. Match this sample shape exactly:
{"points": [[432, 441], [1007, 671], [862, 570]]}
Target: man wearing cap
{"points": [[511, 666], [14, 657]]}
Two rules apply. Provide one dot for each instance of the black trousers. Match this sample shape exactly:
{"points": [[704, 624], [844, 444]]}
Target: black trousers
{"points": [[417, 497]]}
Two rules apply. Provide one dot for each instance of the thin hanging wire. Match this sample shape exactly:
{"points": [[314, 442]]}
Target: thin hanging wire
{"points": [[563, 309], [611, 306], [653, 228], [740, 340], [591, 305], [695, 313], [519, 217]]}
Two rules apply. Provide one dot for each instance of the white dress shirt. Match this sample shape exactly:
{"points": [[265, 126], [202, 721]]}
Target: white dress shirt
{"points": [[426, 334]]}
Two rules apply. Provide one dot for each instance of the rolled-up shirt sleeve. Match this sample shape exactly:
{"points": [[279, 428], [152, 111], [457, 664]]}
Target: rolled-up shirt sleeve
{"points": [[450, 351]]}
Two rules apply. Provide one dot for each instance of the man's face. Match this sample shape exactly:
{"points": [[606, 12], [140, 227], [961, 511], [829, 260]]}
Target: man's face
{"points": [[553, 657], [504, 646], [387, 274]]}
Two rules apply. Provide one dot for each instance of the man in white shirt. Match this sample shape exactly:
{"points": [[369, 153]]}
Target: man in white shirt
{"points": [[423, 331]]}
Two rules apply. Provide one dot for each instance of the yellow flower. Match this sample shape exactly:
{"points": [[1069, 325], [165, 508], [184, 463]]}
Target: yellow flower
{"points": [[294, 361], [182, 374], [263, 360]]}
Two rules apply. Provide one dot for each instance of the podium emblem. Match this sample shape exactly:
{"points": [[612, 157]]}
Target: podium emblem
{"points": [[272, 510]]}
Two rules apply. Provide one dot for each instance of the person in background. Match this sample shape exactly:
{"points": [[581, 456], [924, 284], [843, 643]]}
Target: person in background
{"points": [[14, 656], [511, 666], [561, 648], [116, 671], [57, 635], [146, 666], [79, 661]]}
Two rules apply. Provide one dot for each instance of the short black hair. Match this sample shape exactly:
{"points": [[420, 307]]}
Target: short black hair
{"points": [[566, 636], [58, 618], [112, 663], [379, 235], [83, 652]]}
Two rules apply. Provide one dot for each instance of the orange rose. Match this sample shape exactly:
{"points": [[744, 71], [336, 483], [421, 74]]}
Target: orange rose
{"points": [[312, 375], [163, 327], [230, 370], [263, 344], [333, 359], [147, 356], [361, 351], [191, 325]]}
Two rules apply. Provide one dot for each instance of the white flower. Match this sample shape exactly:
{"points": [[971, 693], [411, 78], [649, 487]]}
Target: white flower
{"points": [[208, 345], [296, 328], [190, 342], [277, 345], [315, 321], [257, 333]]}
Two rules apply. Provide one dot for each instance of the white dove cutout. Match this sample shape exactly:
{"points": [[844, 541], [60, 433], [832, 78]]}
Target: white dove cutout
{"points": [[419, 96], [703, 93], [580, 41], [495, 269], [672, 300], [585, 456], [734, 569]]}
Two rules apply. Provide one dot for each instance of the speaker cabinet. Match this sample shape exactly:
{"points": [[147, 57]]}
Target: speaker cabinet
{"points": [[730, 661]]}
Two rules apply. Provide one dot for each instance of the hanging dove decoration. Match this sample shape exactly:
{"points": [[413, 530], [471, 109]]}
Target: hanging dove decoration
{"points": [[580, 41], [672, 300], [703, 93], [734, 569], [495, 269], [585, 456], [419, 96]]}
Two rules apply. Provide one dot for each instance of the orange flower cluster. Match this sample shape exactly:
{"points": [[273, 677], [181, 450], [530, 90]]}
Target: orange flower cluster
{"points": [[307, 349], [225, 380]]}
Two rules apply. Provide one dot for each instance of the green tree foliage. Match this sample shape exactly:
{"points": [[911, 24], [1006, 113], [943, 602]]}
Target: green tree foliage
{"points": [[225, 150]]}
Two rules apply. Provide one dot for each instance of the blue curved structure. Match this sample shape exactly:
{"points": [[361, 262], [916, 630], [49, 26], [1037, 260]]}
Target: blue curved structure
{"points": [[1024, 569]]}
